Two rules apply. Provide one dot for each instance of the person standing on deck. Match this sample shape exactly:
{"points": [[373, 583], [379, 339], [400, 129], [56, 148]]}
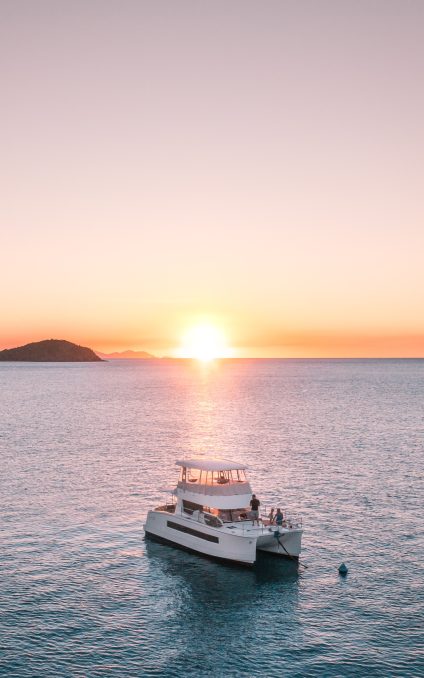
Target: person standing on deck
{"points": [[254, 504]]}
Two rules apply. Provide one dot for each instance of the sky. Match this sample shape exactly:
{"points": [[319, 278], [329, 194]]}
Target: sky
{"points": [[253, 165]]}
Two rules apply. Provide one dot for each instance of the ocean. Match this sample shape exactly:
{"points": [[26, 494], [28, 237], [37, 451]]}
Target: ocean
{"points": [[87, 449]]}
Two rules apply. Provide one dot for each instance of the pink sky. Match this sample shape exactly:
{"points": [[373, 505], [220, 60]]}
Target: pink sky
{"points": [[255, 163]]}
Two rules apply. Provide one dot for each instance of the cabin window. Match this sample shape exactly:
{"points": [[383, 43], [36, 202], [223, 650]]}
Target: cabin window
{"points": [[241, 513], [231, 515], [211, 520], [190, 506], [226, 515]]}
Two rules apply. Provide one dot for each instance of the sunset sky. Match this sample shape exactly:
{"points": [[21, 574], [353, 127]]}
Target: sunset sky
{"points": [[252, 165]]}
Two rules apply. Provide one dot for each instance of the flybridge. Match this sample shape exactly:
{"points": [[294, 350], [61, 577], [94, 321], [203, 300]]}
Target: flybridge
{"points": [[219, 483], [216, 476]]}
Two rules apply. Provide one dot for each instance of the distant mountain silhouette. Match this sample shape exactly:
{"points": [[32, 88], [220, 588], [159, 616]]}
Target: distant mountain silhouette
{"points": [[50, 350], [126, 355]]}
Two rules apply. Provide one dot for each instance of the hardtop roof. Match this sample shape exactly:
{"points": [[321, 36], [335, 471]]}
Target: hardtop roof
{"points": [[211, 464]]}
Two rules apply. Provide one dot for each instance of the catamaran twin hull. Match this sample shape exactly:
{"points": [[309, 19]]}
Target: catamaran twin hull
{"points": [[239, 544]]}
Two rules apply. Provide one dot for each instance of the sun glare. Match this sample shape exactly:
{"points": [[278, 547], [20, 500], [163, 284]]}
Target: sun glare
{"points": [[205, 343]]}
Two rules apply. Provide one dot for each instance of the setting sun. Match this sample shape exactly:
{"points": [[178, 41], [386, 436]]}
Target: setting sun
{"points": [[205, 343]]}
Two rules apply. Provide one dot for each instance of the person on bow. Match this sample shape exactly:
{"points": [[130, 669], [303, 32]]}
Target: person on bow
{"points": [[279, 518]]}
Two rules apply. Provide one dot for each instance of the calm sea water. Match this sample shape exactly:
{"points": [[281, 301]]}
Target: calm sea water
{"points": [[84, 452]]}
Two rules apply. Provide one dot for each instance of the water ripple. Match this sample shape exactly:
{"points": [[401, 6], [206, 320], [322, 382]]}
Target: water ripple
{"points": [[84, 452]]}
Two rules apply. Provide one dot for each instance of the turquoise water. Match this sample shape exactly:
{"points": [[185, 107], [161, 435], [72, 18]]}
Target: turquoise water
{"points": [[84, 452]]}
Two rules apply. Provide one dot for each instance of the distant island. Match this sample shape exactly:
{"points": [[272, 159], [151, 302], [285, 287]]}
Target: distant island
{"points": [[50, 351], [126, 355]]}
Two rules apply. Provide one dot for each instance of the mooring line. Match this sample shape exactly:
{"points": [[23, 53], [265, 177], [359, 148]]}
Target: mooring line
{"points": [[289, 554]]}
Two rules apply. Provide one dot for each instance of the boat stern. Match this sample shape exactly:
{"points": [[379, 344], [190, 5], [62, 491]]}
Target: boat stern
{"points": [[281, 541]]}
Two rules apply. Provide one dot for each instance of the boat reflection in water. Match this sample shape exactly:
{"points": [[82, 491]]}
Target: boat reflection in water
{"points": [[197, 586], [226, 576], [217, 611]]}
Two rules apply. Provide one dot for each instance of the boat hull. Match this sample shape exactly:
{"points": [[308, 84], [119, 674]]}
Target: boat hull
{"points": [[288, 543], [214, 542], [172, 544]]}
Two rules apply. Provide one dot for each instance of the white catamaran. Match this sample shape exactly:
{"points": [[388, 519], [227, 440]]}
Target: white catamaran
{"points": [[210, 514]]}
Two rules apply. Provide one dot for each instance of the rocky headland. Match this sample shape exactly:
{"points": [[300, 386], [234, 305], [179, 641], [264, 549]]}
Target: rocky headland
{"points": [[50, 350]]}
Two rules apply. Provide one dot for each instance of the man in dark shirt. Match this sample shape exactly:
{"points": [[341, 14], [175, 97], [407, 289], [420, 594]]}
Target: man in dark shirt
{"points": [[254, 504]]}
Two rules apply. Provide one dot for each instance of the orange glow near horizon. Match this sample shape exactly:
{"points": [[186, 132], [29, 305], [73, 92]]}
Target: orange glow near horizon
{"points": [[207, 340]]}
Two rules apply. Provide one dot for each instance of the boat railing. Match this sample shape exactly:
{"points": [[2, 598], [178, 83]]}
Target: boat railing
{"points": [[290, 520], [167, 508], [246, 525], [227, 489]]}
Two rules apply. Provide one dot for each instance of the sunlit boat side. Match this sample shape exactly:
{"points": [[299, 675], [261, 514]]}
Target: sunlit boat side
{"points": [[210, 514]]}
